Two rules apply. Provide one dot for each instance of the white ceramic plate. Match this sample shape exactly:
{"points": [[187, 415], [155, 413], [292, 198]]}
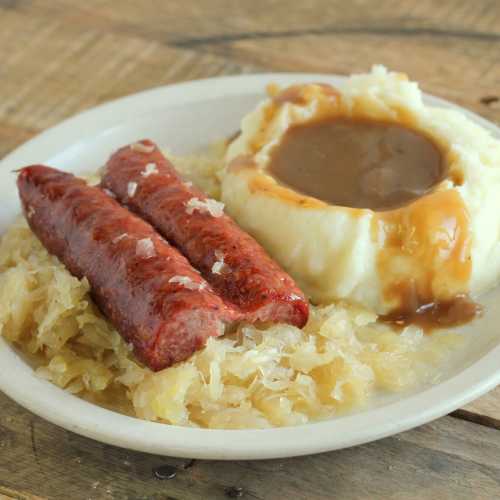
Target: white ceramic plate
{"points": [[183, 118]]}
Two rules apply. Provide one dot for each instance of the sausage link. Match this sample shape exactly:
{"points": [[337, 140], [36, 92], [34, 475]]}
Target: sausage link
{"points": [[145, 287], [236, 266]]}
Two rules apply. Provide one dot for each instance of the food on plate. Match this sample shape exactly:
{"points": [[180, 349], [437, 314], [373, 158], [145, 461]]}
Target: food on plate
{"points": [[367, 194], [147, 289], [235, 265], [408, 231], [255, 377]]}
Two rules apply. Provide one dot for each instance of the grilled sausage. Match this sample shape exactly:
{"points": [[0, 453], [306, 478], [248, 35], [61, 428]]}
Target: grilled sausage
{"points": [[145, 287], [236, 266]]}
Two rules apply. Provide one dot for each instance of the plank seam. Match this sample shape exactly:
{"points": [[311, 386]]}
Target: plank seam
{"points": [[383, 30]]}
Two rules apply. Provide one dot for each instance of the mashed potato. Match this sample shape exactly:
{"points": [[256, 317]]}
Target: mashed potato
{"points": [[445, 244], [255, 378]]}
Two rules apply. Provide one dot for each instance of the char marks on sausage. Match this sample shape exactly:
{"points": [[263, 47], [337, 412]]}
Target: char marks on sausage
{"points": [[235, 265], [130, 268]]}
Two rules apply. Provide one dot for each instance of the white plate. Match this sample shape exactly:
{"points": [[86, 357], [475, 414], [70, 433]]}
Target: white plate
{"points": [[183, 118]]}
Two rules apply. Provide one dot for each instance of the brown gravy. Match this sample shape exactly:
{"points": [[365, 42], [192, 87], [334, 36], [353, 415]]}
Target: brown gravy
{"points": [[426, 254], [356, 163], [434, 315]]}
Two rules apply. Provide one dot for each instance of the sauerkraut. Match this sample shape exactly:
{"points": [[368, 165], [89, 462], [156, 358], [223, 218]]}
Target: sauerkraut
{"points": [[254, 378]]}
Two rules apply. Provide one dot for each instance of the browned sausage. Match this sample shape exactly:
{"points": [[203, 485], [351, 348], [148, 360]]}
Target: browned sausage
{"points": [[236, 266], [146, 288]]}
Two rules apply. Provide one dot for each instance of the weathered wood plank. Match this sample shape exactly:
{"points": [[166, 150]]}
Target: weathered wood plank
{"points": [[318, 35], [463, 71], [81, 67], [485, 410], [221, 20], [80, 39], [12, 136], [449, 458], [9, 494], [488, 404], [91, 54]]}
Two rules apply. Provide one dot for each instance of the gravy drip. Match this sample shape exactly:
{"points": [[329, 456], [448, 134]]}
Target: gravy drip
{"points": [[434, 315], [425, 262], [357, 163]]}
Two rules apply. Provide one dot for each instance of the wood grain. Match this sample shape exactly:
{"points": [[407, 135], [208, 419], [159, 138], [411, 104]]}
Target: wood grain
{"points": [[82, 68], [9, 494], [447, 459], [485, 410], [61, 57]]}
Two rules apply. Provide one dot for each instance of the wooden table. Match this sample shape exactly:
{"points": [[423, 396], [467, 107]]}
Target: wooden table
{"points": [[60, 57]]}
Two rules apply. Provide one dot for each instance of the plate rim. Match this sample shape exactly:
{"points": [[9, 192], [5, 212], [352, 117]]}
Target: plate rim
{"points": [[59, 407]]}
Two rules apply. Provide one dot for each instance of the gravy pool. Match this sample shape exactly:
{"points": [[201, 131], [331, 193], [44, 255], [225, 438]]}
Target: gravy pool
{"points": [[359, 164]]}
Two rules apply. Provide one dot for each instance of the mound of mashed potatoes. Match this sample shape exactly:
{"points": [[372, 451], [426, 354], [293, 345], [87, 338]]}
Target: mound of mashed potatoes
{"points": [[254, 378], [441, 240]]}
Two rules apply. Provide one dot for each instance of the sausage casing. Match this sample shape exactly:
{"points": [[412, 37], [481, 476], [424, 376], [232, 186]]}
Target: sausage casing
{"points": [[237, 267], [145, 287]]}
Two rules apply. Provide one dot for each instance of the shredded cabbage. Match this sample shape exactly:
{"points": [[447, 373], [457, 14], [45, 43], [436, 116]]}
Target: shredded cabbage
{"points": [[254, 378]]}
